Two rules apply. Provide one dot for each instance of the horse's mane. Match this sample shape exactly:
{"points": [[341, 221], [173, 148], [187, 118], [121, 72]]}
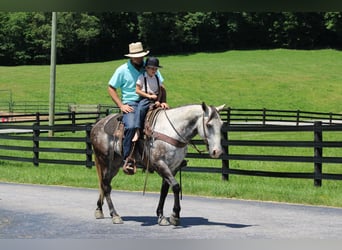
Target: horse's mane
{"points": [[185, 105]]}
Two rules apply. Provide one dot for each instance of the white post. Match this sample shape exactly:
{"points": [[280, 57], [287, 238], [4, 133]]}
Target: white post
{"points": [[52, 72]]}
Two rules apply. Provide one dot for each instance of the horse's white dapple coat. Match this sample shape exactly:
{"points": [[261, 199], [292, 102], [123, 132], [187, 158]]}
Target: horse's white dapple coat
{"points": [[181, 124]]}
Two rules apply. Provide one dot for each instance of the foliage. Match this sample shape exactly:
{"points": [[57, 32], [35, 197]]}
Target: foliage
{"points": [[88, 37]]}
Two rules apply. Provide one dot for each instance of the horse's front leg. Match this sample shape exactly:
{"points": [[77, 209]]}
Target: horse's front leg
{"points": [[162, 221], [168, 180], [175, 216]]}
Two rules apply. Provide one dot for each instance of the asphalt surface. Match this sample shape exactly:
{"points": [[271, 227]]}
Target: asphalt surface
{"points": [[53, 212]]}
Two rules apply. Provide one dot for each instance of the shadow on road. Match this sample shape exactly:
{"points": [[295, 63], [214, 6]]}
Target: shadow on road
{"points": [[185, 221]]}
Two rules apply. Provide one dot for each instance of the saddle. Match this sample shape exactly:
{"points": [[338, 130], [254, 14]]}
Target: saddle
{"points": [[115, 127], [150, 120]]}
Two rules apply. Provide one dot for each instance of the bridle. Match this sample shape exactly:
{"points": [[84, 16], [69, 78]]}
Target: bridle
{"points": [[204, 124]]}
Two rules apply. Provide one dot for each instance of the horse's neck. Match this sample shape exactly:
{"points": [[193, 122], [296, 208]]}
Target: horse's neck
{"points": [[183, 120]]}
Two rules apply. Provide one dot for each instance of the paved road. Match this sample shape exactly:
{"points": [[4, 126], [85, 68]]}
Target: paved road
{"points": [[50, 212]]}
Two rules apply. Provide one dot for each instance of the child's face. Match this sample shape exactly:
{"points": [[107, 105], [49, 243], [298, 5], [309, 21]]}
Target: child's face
{"points": [[151, 71]]}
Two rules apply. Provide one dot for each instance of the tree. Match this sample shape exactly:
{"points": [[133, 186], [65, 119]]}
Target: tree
{"points": [[76, 33], [333, 23], [13, 45], [160, 31], [117, 31], [38, 37], [87, 36], [298, 30]]}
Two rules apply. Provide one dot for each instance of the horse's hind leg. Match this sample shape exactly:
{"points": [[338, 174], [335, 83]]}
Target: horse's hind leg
{"points": [[99, 211], [105, 176], [107, 190]]}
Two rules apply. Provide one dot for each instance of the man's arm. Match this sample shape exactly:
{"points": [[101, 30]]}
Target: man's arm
{"points": [[115, 97]]}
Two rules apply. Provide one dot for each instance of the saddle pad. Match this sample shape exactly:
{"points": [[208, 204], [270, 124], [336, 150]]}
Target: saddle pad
{"points": [[112, 124]]}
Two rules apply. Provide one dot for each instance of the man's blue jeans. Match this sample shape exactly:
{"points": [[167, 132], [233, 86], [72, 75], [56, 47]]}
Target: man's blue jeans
{"points": [[128, 120]]}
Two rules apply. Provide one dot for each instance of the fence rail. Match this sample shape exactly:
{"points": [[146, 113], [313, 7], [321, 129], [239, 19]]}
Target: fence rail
{"points": [[28, 107], [317, 144], [233, 123], [271, 116]]}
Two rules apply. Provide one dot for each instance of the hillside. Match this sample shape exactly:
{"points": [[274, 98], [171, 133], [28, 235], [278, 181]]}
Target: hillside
{"points": [[274, 79]]}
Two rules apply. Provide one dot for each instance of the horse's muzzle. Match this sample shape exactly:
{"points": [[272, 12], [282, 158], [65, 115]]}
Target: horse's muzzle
{"points": [[216, 153]]}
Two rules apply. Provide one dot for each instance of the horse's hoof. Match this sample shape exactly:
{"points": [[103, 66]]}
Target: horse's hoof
{"points": [[117, 219], [129, 168], [174, 220], [163, 221], [99, 214]]}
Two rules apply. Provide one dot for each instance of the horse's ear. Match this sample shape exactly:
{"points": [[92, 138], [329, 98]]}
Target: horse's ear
{"points": [[204, 106], [219, 108]]}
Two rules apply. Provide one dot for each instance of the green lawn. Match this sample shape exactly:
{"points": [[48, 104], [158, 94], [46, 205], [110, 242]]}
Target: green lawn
{"points": [[272, 79]]}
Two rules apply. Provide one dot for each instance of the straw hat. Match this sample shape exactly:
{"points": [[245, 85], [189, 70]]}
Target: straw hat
{"points": [[136, 50]]}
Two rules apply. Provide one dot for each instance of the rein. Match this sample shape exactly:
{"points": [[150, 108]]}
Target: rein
{"points": [[189, 142]]}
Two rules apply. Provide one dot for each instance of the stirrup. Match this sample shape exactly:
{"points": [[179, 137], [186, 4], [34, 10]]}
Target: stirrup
{"points": [[129, 167]]}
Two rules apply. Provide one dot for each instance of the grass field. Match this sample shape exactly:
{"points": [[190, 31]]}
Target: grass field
{"points": [[273, 79]]}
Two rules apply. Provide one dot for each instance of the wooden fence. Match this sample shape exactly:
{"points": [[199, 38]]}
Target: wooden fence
{"points": [[235, 121], [316, 144]]}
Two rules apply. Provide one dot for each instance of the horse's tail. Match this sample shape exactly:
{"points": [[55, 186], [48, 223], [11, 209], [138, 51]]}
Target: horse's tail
{"points": [[98, 171]]}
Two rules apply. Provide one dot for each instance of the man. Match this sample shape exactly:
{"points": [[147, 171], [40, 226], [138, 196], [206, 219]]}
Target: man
{"points": [[125, 78]]}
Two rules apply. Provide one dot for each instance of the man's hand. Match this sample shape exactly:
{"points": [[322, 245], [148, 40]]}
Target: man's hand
{"points": [[125, 108]]}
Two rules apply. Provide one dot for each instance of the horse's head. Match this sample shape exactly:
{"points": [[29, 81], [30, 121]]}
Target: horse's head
{"points": [[211, 129]]}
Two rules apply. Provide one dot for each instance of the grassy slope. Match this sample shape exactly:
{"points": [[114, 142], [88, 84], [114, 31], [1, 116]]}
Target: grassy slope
{"points": [[284, 79], [277, 79]]}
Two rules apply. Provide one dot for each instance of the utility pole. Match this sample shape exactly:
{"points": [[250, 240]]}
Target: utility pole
{"points": [[52, 72]]}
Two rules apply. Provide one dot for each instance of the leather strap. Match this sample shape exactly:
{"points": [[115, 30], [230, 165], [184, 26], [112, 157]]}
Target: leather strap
{"points": [[149, 123], [168, 139]]}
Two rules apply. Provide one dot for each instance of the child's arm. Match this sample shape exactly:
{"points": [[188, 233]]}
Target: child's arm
{"points": [[139, 91]]}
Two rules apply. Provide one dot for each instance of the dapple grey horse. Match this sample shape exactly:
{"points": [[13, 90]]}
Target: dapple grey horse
{"points": [[165, 148]]}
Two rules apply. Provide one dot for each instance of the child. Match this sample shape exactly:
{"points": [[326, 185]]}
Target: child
{"points": [[149, 87]]}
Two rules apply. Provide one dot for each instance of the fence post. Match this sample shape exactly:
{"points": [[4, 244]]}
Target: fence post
{"points": [[98, 111], [36, 133], [330, 118], [225, 163], [264, 116], [228, 115], [38, 117], [73, 120], [298, 117], [318, 153], [89, 151]]}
